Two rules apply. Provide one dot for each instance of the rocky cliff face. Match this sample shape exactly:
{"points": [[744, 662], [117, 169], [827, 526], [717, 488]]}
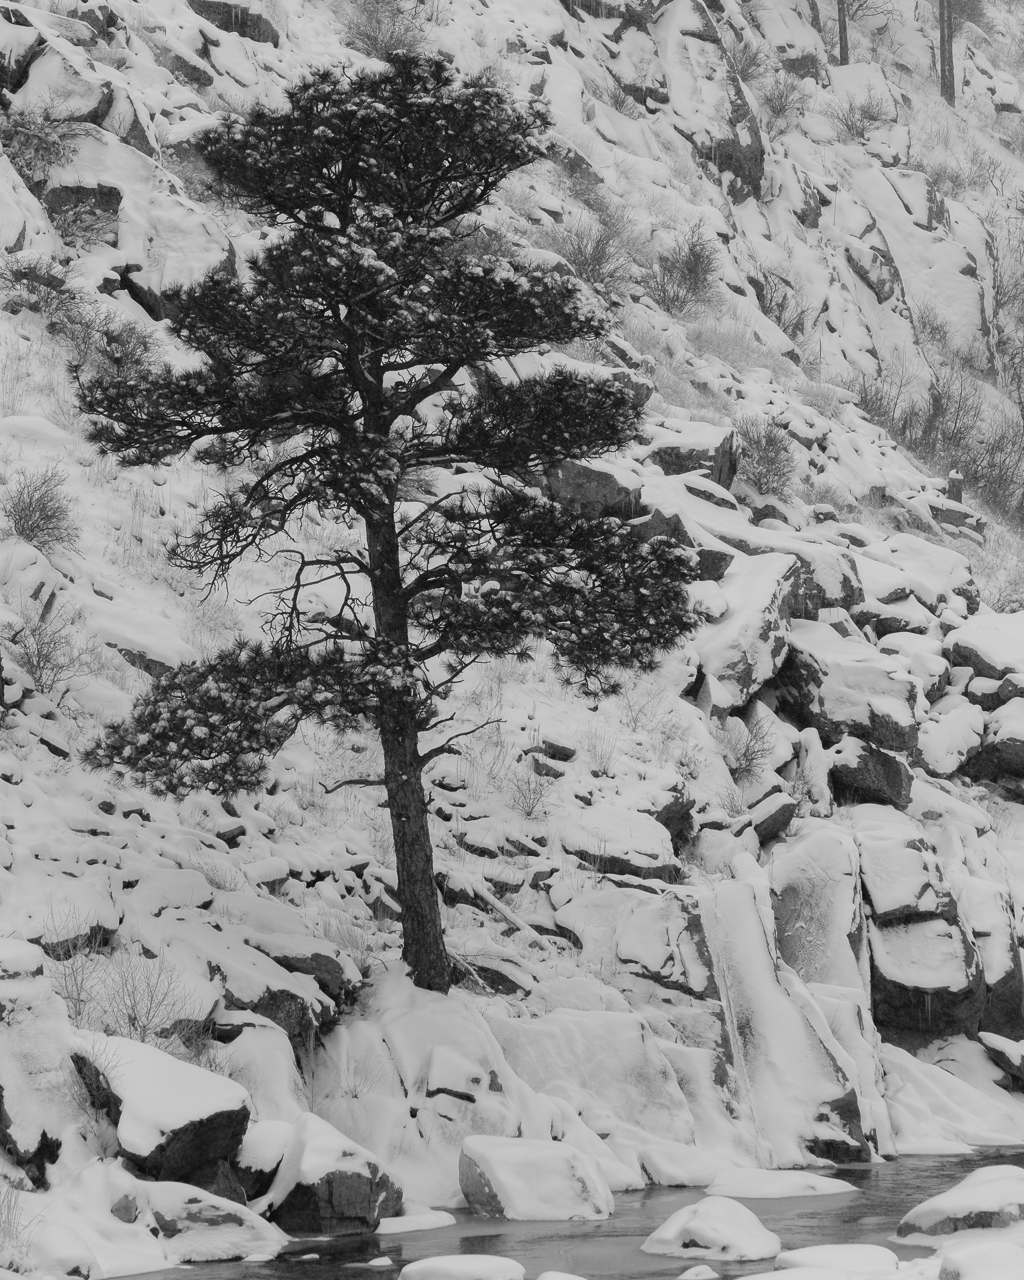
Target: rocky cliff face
{"points": [[754, 911]]}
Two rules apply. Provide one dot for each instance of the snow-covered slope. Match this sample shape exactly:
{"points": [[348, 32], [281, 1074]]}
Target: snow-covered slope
{"points": [[753, 911]]}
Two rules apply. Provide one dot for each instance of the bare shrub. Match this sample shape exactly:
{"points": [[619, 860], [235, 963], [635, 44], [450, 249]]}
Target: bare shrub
{"points": [[380, 28], [616, 97], [51, 645], [599, 248], [932, 327], [781, 303], [40, 283], [146, 1000], [684, 278], [747, 59], [38, 509], [854, 118], [13, 1242], [868, 10], [767, 462], [969, 11], [891, 399], [85, 222], [783, 100], [358, 938], [528, 790]]}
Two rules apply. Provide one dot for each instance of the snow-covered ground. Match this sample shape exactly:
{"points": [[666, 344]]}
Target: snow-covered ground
{"points": [[750, 914]]}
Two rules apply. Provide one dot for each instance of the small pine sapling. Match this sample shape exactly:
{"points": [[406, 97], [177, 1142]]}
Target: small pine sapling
{"points": [[356, 364]]}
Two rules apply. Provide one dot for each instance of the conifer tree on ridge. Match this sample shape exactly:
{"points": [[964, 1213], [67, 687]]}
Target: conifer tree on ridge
{"points": [[355, 374]]}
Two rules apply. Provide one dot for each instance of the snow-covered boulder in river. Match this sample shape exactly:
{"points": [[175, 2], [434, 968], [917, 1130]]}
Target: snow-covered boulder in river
{"points": [[714, 1227], [988, 1197], [326, 1184]]}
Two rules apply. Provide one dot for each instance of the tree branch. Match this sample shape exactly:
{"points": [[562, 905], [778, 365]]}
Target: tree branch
{"points": [[352, 782], [446, 748]]}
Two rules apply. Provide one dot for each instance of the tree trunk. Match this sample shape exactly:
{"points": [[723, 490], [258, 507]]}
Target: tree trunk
{"points": [[947, 79], [844, 35], [422, 934], [423, 947]]}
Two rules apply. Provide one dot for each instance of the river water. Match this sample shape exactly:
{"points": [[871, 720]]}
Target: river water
{"points": [[611, 1250]]}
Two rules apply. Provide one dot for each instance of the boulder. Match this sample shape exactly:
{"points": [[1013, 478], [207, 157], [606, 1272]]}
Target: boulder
{"points": [[260, 1155], [992, 644], [842, 685], [902, 877], [869, 774], [900, 617], [935, 574], [746, 645], [950, 736], [528, 1180], [775, 1184], [463, 1266], [1008, 1055], [1002, 745], [326, 1184], [988, 911], [860, 1260], [926, 979], [714, 1227], [988, 1197], [772, 815], [679, 447], [988, 694], [594, 490], [249, 19], [173, 1120], [922, 657]]}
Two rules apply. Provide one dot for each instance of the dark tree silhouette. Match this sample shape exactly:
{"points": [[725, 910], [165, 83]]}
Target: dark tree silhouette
{"points": [[947, 78], [354, 375]]}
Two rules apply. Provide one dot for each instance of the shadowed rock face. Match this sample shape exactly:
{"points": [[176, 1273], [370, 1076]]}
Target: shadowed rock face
{"points": [[900, 1006], [243, 18], [870, 775], [341, 1203]]}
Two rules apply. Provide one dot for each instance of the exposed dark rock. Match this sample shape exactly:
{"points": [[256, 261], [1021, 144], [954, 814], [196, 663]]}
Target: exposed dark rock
{"points": [[1004, 1002], [194, 1147], [720, 462], [220, 1179], [866, 773], [238, 17], [341, 1203], [900, 1008], [772, 816], [476, 1187]]}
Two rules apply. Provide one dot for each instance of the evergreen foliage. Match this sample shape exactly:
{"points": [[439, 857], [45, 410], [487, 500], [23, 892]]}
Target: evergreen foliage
{"points": [[355, 374]]}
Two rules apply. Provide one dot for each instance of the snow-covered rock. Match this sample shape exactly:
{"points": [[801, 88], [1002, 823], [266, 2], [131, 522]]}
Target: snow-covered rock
{"points": [[985, 1260], [992, 645], [325, 1184], [842, 685], [174, 1121], [988, 1197], [714, 1227], [463, 1266], [868, 773], [774, 1184], [860, 1259], [526, 1180]]}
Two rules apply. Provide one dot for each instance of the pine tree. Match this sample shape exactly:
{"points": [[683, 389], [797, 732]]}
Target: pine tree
{"points": [[354, 374]]}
